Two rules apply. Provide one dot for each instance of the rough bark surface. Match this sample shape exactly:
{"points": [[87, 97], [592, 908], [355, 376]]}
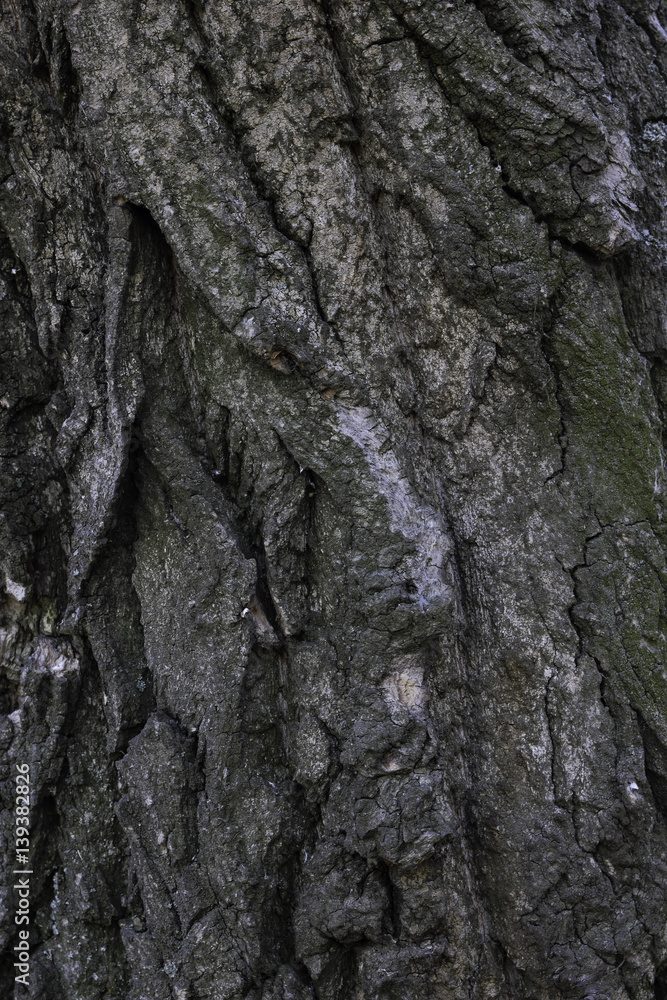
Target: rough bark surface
{"points": [[333, 345]]}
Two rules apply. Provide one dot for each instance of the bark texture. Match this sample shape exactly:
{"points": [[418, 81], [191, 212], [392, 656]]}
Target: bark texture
{"points": [[333, 349]]}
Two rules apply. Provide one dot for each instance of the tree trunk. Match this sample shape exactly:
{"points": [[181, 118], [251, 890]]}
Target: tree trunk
{"points": [[334, 341]]}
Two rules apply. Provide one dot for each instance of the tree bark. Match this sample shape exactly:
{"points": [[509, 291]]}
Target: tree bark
{"points": [[333, 391]]}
